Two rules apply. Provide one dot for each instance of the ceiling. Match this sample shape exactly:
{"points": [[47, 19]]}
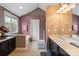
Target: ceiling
{"points": [[28, 7], [14, 7]]}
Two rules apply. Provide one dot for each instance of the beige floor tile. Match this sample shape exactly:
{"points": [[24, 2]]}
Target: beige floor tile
{"points": [[32, 50]]}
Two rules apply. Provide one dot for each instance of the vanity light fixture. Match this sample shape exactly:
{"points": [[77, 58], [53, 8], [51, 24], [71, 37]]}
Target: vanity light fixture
{"points": [[66, 7], [62, 8]]}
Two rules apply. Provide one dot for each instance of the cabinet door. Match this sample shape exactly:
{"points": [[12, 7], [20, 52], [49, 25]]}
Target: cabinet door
{"points": [[4, 48], [11, 44], [54, 48], [49, 43]]}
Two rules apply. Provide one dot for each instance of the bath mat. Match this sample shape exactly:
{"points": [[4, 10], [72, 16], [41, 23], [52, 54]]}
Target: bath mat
{"points": [[41, 44]]}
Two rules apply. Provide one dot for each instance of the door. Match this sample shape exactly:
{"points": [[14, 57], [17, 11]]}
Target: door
{"points": [[34, 24]]}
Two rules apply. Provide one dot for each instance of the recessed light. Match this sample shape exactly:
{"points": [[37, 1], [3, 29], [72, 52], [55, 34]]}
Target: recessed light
{"points": [[21, 7]]}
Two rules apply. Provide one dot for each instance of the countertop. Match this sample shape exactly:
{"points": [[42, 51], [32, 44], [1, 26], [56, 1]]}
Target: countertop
{"points": [[65, 45], [6, 38]]}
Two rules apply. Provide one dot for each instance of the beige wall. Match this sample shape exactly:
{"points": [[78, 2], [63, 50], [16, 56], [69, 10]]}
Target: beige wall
{"points": [[1, 16], [58, 23]]}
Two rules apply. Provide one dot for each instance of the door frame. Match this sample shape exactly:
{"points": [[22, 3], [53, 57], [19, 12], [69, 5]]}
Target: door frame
{"points": [[39, 26]]}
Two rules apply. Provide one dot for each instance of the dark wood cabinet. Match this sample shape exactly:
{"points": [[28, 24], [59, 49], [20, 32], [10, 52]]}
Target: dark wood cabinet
{"points": [[7, 47], [4, 48], [55, 49], [11, 45]]}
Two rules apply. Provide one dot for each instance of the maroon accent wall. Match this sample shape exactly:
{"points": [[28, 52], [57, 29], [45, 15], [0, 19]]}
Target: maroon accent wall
{"points": [[75, 21], [1, 16], [35, 14]]}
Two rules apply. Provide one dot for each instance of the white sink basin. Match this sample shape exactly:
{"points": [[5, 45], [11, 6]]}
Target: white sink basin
{"points": [[72, 40], [76, 44]]}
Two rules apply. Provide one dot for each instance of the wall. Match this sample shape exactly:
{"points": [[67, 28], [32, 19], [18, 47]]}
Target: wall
{"points": [[36, 14], [75, 22], [57, 23], [52, 20], [1, 16], [7, 13]]}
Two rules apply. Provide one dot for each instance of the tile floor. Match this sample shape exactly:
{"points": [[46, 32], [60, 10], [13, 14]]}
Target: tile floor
{"points": [[32, 50]]}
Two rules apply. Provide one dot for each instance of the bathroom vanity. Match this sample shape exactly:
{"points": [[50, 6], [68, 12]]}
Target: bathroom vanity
{"points": [[62, 47], [55, 49]]}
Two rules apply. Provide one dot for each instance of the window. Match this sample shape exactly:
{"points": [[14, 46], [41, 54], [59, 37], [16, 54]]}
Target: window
{"points": [[8, 23], [11, 24], [14, 25]]}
